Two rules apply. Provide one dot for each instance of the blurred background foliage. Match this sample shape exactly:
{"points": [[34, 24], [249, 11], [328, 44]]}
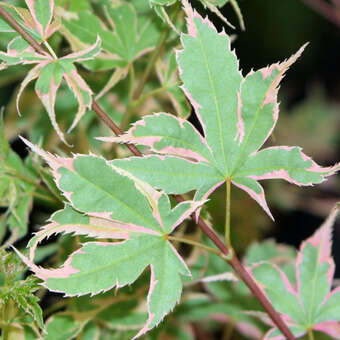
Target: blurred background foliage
{"points": [[309, 117]]}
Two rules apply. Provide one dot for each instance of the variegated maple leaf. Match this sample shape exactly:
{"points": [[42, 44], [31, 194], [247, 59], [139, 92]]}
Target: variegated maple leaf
{"points": [[37, 19], [49, 70], [311, 306], [107, 202], [237, 115]]}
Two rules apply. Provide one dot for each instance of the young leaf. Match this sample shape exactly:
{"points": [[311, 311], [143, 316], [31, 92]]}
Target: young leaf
{"points": [[130, 35], [237, 116], [111, 199], [29, 19], [311, 306], [42, 14], [49, 73]]}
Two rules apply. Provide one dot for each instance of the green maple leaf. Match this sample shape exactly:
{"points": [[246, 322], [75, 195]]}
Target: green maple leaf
{"points": [[107, 202], [237, 115], [311, 305]]}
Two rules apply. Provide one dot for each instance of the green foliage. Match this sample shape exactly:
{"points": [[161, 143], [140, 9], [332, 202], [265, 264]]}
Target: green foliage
{"points": [[117, 244], [311, 305], [18, 304], [236, 123]]}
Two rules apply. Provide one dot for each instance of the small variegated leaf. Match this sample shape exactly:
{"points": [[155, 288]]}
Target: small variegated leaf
{"points": [[312, 305], [237, 116], [20, 52], [23, 17], [86, 54], [42, 14], [69, 220], [49, 73], [46, 87], [129, 37]]}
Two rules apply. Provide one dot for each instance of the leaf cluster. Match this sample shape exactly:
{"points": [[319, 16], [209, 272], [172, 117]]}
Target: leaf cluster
{"points": [[127, 260]]}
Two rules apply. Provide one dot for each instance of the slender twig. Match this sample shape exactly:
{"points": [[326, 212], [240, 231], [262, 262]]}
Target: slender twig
{"points": [[231, 258], [151, 63], [194, 243], [325, 9], [227, 214]]}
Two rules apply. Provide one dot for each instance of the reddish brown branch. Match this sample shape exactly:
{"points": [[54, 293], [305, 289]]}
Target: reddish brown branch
{"points": [[234, 261]]}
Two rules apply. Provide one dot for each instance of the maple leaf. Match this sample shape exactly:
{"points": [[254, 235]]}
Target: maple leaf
{"points": [[49, 70], [37, 19], [107, 202], [49, 73], [311, 305], [237, 116]]}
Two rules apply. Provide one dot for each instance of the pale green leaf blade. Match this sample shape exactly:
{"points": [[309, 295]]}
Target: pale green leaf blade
{"points": [[81, 91], [288, 163], [86, 28], [46, 87], [166, 134], [330, 310], [86, 54], [166, 284], [42, 13], [279, 291], [171, 174], [210, 75], [96, 187], [69, 220], [137, 34], [98, 267], [315, 270], [258, 109], [20, 52]]}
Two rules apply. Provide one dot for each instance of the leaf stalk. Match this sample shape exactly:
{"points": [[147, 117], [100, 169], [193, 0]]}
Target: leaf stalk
{"points": [[227, 214], [310, 334], [194, 243]]}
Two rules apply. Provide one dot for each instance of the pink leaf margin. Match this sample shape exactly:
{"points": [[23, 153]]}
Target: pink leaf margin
{"points": [[43, 31], [321, 239], [283, 174], [271, 96], [259, 198], [192, 31], [150, 141]]}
